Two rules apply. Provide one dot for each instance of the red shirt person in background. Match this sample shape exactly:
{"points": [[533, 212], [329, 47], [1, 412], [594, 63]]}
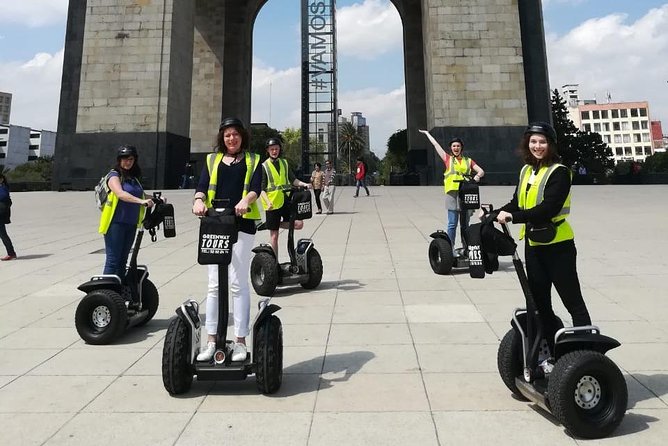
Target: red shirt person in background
{"points": [[360, 177]]}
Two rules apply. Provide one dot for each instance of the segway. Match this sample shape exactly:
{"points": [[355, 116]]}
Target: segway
{"points": [[583, 388], [305, 265], [218, 233], [441, 256], [113, 304]]}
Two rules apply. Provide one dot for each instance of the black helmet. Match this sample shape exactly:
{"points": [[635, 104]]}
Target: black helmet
{"points": [[231, 122], [456, 139], [124, 151], [273, 142], [542, 128]]}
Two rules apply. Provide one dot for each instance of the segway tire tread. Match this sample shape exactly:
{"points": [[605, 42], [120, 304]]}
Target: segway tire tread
{"points": [[509, 361], [314, 270], [150, 300], [118, 319], [441, 258], [604, 417], [269, 356], [264, 273], [177, 373]]}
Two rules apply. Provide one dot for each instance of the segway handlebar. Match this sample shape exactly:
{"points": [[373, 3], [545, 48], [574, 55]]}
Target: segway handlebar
{"points": [[468, 178]]}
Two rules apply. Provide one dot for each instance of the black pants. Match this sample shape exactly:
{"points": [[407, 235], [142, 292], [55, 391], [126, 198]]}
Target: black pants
{"points": [[6, 240], [317, 198], [555, 265]]}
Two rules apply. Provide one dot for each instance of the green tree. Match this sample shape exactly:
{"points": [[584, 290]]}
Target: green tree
{"points": [[396, 155], [351, 145], [565, 129], [592, 153], [657, 163], [577, 147], [259, 134], [292, 147], [39, 170]]}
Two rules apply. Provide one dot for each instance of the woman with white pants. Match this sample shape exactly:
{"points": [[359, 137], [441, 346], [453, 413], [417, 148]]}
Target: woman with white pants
{"points": [[231, 173]]}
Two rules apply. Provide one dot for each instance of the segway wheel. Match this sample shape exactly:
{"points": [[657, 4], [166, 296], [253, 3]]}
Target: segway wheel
{"points": [[440, 256], [587, 393], [101, 317], [268, 355], [509, 361], [150, 300], [264, 273], [177, 371], [314, 270]]}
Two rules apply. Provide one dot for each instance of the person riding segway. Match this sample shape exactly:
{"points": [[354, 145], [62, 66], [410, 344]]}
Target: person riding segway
{"points": [[563, 369], [114, 303], [305, 265], [442, 254], [286, 207], [461, 198], [180, 358], [225, 198]]}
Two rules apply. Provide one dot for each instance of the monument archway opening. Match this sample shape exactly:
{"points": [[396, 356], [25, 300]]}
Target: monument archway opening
{"points": [[161, 74]]}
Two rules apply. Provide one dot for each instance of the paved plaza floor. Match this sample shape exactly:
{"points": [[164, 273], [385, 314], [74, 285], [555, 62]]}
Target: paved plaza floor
{"points": [[384, 352]]}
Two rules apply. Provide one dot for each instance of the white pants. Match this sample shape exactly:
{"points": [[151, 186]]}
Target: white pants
{"points": [[238, 272], [328, 197]]}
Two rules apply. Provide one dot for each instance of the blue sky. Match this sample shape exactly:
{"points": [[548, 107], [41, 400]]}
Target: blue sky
{"points": [[614, 46]]}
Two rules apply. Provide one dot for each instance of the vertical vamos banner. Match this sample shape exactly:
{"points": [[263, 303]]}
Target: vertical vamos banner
{"points": [[319, 103]]}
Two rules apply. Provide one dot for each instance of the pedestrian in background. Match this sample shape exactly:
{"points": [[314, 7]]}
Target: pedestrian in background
{"points": [[329, 176], [360, 177], [317, 177], [5, 214]]}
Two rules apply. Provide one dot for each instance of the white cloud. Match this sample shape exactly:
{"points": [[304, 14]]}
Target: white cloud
{"points": [[35, 88], [33, 13], [609, 54], [276, 96], [369, 29], [385, 113], [385, 110]]}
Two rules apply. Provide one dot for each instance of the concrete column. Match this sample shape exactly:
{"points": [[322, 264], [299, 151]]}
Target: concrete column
{"points": [[475, 80], [134, 59], [207, 90]]}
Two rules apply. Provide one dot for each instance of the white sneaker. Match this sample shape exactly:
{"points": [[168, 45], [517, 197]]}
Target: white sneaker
{"points": [[239, 353], [207, 353]]}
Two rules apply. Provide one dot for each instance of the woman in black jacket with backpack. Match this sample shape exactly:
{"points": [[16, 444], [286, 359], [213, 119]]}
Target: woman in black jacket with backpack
{"points": [[5, 214]]}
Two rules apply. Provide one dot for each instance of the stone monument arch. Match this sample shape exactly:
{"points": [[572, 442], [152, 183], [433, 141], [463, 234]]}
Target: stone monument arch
{"points": [[160, 74]]}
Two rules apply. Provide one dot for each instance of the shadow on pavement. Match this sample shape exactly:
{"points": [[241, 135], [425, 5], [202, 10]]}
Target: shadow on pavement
{"points": [[152, 328], [33, 256], [296, 377], [330, 285]]}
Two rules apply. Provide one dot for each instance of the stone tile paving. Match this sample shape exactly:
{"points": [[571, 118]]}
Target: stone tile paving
{"points": [[383, 352]]}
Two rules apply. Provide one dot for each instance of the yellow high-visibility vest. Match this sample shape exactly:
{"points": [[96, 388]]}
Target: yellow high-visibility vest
{"points": [[212, 162], [277, 183], [535, 195], [454, 172], [110, 208]]}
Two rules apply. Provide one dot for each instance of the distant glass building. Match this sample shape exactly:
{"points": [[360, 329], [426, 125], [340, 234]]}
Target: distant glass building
{"points": [[5, 107]]}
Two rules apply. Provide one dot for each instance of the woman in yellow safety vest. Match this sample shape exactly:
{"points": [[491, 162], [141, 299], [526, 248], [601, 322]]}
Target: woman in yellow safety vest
{"points": [[232, 173], [456, 165], [123, 211], [541, 203]]}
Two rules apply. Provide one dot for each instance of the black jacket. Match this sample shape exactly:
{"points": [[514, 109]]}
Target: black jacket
{"points": [[556, 191]]}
